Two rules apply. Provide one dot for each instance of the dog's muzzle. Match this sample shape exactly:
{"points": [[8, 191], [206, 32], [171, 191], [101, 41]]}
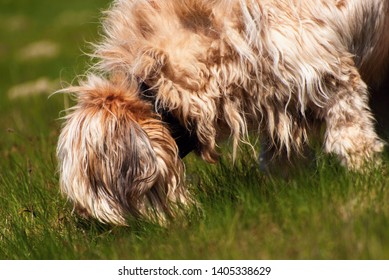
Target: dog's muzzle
{"points": [[185, 139]]}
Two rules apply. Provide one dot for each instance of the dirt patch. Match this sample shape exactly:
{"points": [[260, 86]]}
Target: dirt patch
{"points": [[42, 85], [38, 50]]}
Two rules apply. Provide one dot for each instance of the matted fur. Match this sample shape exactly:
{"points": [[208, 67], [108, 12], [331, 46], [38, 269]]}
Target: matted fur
{"points": [[227, 67], [116, 156]]}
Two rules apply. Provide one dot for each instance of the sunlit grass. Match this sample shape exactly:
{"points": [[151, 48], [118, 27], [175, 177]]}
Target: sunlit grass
{"points": [[317, 212]]}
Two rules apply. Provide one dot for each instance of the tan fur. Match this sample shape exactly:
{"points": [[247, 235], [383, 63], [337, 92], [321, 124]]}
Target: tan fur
{"points": [[244, 65], [116, 156]]}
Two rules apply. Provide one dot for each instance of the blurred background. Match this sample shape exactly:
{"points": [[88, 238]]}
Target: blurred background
{"points": [[41, 49]]}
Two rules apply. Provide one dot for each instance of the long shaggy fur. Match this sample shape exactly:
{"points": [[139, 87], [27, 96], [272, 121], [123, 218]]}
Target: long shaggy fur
{"points": [[221, 67], [117, 157]]}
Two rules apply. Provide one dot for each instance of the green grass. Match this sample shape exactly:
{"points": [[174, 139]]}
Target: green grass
{"points": [[317, 212]]}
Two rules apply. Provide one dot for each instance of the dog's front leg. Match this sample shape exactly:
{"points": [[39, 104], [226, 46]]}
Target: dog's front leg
{"points": [[350, 130]]}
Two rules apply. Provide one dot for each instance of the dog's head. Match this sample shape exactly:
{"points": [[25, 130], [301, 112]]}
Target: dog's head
{"points": [[116, 155]]}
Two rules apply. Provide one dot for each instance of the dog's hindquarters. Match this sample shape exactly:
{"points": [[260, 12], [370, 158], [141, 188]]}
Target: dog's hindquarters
{"points": [[364, 29]]}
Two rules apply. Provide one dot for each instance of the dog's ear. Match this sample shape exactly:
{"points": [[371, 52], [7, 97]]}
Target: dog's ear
{"points": [[116, 158]]}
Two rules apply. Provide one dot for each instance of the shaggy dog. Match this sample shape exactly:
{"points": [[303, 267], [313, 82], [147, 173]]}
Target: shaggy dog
{"points": [[175, 76]]}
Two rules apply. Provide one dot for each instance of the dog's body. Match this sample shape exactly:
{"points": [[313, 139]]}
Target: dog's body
{"points": [[218, 68]]}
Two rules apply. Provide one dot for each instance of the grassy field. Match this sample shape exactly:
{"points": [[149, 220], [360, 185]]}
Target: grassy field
{"points": [[318, 212]]}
